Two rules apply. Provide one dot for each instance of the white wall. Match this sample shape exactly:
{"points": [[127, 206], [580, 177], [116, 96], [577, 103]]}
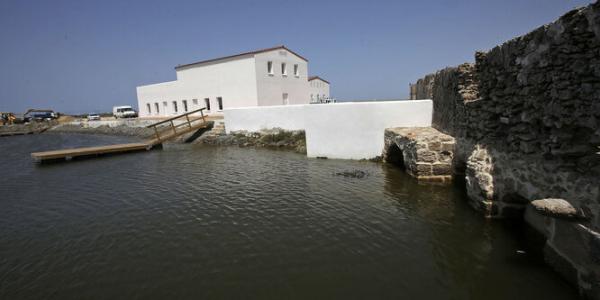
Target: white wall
{"points": [[241, 81], [340, 130], [234, 81], [289, 117], [272, 86], [355, 130]]}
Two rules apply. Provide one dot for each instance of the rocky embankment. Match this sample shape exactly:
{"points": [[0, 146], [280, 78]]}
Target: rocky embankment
{"points": [[271, 138], [33, 127], [121, 130], [215, 135]]}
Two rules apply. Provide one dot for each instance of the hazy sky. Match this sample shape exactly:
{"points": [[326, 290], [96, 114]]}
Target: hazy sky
{"points": [[86, 56]]}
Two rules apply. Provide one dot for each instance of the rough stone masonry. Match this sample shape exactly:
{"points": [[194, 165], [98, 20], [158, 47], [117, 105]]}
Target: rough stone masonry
{"points": [[423, 152], [526, 119]]}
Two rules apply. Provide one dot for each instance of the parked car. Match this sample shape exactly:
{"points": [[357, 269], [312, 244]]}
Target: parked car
{"points": [[93, 117], [44, 116], [125, 111]]}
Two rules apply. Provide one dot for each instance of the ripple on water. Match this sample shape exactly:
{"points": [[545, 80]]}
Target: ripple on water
{"points": [[229, 222]]}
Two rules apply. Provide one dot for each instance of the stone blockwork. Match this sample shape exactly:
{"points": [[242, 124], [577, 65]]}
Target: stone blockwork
{"points": [[424, 152], [452, 87], [526, 118]]}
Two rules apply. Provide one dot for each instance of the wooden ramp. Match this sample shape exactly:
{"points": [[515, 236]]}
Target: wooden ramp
{"points": [[163, 131]]}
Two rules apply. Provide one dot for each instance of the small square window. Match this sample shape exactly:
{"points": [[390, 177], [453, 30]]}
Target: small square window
{"points": [[195, 101]]}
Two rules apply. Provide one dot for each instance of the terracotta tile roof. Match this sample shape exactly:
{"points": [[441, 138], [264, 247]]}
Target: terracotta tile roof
{"points": [[241, 54], [317, 77]]}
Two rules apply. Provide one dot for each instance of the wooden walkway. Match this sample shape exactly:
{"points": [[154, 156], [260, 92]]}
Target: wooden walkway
{"points": [[163, 131]]}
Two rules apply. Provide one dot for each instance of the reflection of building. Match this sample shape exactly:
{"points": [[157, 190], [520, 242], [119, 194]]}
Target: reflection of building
{"points": [[319, 89], [273, 76]]}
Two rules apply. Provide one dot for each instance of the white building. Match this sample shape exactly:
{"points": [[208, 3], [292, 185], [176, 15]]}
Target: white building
{"points": [[273, 76], [319, 89]]}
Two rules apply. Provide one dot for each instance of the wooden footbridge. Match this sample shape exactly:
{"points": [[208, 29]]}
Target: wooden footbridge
{"points": [[163, 131]]}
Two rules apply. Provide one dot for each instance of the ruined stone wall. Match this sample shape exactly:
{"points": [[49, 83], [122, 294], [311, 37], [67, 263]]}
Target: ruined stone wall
{"points": [[540, 93], [526, 118], [533, 98], [451, 88], [539, 98]]}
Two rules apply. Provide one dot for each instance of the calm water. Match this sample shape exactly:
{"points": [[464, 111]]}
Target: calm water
{"points": [[205, 222]]}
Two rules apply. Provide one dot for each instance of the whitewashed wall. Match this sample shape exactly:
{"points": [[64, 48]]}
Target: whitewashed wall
{"points": [[272, 86], [289, 117], [340, 130], [234, 81]]}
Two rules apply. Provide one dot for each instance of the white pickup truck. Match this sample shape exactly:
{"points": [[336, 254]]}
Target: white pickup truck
{"points": [[125, 111]]}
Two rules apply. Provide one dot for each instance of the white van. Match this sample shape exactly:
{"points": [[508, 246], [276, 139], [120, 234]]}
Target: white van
{"points": [[125, 111]]}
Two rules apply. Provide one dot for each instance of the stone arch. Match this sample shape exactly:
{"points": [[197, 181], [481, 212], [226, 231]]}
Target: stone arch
{"points": [[394, 155]]}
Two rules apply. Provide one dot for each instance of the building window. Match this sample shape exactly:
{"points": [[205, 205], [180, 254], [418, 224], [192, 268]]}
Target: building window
{"points": [[175, 106], [312, 98], [207, 103], [148, 108], [283, 69], [220, 103], [165, 104], [296, 72], [195, 101], [157, 111], [185, 107], [270, 67], [286, 100]]}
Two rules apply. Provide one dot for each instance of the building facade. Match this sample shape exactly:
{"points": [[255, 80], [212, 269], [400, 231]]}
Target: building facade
{"points": [[273, 76], [319, 89]]}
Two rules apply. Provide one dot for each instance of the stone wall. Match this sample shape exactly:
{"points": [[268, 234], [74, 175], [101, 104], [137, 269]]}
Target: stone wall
{"points": [[452, 87], [526, 118], [423, 152]]}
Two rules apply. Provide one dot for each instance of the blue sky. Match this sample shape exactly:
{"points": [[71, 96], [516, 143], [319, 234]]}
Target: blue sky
{"points": [[84, 56]]}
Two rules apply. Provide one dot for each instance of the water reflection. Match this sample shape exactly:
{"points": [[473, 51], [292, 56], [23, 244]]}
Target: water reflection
{"points": [[208, 222]]}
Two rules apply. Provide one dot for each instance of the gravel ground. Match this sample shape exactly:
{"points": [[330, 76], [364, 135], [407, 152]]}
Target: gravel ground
{"points": [[33, 126], [123, 130]]}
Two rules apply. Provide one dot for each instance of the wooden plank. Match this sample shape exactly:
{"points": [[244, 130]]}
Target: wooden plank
{"points": [[167, 137], [121, 148], [176, 117], [75, 152]]}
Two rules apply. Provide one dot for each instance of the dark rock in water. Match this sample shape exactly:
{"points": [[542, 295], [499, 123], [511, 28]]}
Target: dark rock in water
{"points": [[353, 174]]}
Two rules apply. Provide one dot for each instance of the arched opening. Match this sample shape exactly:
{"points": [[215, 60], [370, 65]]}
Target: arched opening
{"points": [[394, 156]]}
